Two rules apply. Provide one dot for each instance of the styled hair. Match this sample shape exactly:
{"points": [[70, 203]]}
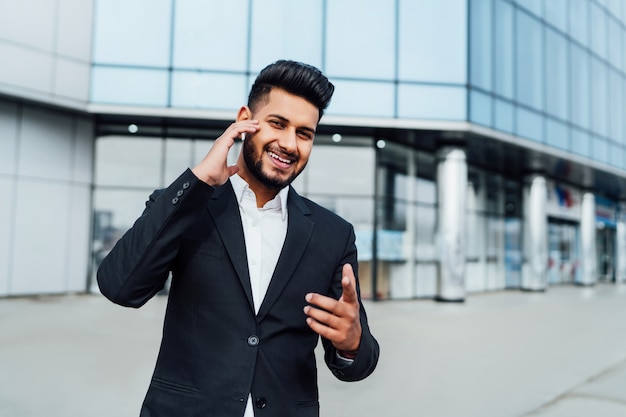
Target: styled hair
{"points": [[296, 78]]}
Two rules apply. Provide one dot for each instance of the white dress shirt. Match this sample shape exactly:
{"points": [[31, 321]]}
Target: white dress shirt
{"points": [[264, 232]]}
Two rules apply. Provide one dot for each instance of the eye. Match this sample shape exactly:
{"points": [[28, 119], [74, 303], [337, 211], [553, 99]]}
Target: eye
{"points": [[305, 134], [277, 124]]}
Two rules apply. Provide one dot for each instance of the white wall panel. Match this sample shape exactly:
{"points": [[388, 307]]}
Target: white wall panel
{"points": [[71, 79], [6, 220], [8, 138], [79, 234], [27, 68], [41, 238], [46, 145], [74, 25], [28, 22]]}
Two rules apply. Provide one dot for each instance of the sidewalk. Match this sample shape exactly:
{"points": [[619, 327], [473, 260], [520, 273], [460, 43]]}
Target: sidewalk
{"points": [[561, 353]]}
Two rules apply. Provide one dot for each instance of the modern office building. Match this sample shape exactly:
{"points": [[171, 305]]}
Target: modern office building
{"points": [[475, 145]]}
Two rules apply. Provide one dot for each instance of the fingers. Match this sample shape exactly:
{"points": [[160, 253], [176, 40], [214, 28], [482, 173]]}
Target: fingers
{"points": [[348, 282]]}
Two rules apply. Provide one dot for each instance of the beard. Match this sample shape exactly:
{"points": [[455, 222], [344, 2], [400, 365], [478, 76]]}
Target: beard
{"points": [[254, 164]]}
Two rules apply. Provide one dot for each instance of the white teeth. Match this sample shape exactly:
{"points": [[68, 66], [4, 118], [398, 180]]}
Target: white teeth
{"points": [[273, 155]]}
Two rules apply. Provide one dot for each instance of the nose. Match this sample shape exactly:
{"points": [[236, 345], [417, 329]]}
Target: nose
{"points": [[288, 140]]}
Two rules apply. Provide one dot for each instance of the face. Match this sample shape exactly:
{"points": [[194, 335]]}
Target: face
{"points": [[278, 152]]}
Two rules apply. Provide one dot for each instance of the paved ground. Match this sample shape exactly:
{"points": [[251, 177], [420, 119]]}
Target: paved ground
{"points": [[508, 354]]}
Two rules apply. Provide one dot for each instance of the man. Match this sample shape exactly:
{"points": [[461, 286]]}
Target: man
{"points": [[258, 272]]}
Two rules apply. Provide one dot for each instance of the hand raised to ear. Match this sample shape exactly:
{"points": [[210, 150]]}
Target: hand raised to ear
{"points": [[337, 320], [213, 169]]}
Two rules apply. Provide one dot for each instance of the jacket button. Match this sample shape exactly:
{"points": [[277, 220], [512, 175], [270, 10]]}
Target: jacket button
{"points": [[174, 200], [261, 402], [180, 193], [185, 186], [253, 340]]}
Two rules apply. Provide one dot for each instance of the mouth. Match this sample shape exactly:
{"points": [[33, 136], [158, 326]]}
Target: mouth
{"points": [[280, 161]]}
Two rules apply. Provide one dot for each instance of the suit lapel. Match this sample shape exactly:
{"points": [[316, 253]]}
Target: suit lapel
{"points": [[224, 209], [299, 230]]}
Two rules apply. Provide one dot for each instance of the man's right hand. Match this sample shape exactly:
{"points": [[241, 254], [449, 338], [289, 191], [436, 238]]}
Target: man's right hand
{"points": [[213, 169]]}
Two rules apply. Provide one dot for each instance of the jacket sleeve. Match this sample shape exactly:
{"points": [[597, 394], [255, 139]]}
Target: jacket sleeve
{"points": [[367, 356], [139, 263]]}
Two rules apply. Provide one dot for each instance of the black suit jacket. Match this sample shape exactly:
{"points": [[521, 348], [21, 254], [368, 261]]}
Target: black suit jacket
{"points": [[215, 350]]}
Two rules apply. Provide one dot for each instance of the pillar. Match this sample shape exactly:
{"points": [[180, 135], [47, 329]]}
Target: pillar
{"points": [[535, 259], [587, 273]]}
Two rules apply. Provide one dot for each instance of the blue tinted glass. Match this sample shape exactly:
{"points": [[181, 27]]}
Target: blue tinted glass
{"points": [[557, 97], [288, 39], [617, 156], [125, 34], [206, 30], [432, 102], [533, 6], [129, 86], [504, 113], [616, 105], [556, 13], [529, 59], [581, 142], [503, 49], [600, 150], [615, 43], [480, 108], [599, 97], [579, 86], [579, 20], [598, 34], [480, 44], [360, 41], [346, 100], [424, 57], [529, 124], [556, 134], [208, 90]]}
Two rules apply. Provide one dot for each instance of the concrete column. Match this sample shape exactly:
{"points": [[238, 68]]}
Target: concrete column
{"points": [[451, 191], [535, 234], [587, 273]]}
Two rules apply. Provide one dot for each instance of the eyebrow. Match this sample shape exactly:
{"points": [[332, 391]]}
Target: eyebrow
{"points": [[284, 119]]}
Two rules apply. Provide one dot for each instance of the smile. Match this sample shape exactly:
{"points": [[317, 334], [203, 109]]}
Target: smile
{"points": [[278, 158]]}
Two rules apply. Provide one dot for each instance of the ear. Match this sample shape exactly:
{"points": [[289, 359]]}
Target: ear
{"points": [[244, 113]]}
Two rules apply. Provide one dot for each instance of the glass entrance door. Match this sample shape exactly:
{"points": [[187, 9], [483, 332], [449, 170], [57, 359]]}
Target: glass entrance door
{"points": [[562, 252]]}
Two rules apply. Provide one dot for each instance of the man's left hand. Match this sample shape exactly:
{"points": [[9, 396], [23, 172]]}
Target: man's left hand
{"points": [[337, 320]]}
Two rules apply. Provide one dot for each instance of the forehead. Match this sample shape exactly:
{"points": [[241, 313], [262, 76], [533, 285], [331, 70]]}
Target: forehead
{"points": [[289, 106]]}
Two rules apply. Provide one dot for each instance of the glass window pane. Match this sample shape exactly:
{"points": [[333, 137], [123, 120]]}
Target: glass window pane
{"points": [[617, 156], [270, 41], [529, 124], [480, 44], [529, 58], [504, 115], [432, 102], [503, 49], [326, 166], [556, 13], [205, 30], [579, 20], [579, 86], [209, 90], [422, 57], [345, 99], [178, 154], [129, 86], [481, 108], [599, 97], [125, 34], [557, 99], [128, 162], [581, 142], [600, 149], [370, 37], [556, 134], [598, 34], [533, 6], [615, 43], [616, 106]]}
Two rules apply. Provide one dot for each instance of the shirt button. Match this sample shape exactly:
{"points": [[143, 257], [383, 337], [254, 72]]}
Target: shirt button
{"points": [[253, 340], [261, 402]]}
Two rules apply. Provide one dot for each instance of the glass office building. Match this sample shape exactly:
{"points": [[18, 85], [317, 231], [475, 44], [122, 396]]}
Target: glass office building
{"points": [[475, 145]]}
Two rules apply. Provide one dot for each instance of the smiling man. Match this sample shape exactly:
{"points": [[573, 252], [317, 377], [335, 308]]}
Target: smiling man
{"points": [[259, 273]]}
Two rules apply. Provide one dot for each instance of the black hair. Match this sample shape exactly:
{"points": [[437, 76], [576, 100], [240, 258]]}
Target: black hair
{"points": [[296, 78]]}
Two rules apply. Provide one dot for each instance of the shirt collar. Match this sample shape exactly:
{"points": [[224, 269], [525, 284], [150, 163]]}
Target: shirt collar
{"points": [[241, 187]]}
